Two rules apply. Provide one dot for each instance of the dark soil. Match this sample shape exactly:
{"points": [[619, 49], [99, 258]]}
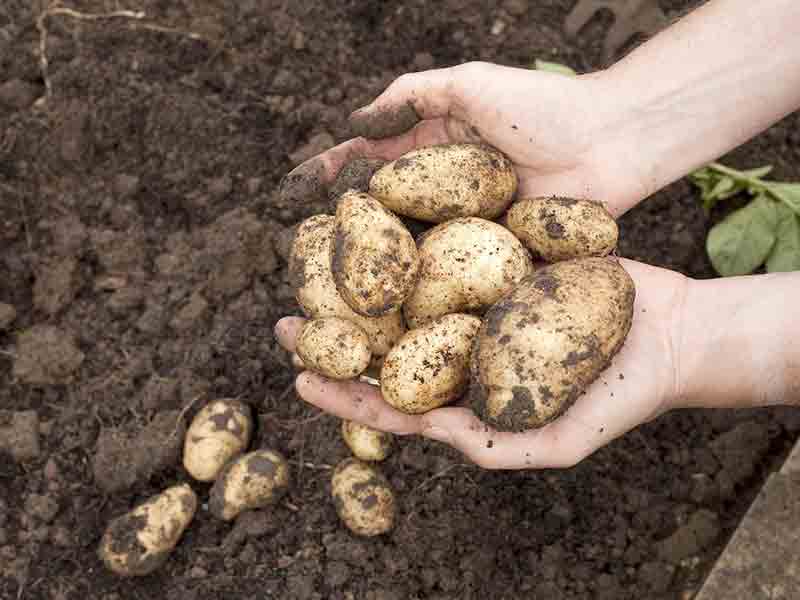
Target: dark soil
{"points": [[142, 253]]}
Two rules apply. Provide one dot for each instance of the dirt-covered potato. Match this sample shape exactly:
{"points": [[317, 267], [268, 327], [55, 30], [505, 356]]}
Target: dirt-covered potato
{"points": [[334, 348], [363, 497], [543, 344], [466, 265], [374, 259], [365, 442], [556, 228], [140, 541], [439, 183], [253, 480], [218, 432], [315, 290], [429, 366]]}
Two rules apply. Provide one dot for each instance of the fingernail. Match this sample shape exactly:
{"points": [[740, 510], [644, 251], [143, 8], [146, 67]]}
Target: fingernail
{"points": [[438, 434]]}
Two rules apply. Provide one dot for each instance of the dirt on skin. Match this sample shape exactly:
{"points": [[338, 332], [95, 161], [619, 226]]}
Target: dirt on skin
{"points": [[143, 252]]}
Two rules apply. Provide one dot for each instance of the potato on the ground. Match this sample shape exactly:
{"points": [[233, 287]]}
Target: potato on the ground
{"points": [[218, 432], [365, 442], [334, 348], [443, 182], [466, 265], [363, 497], [543, 344], [140, 541], [315, 290], [429, 366], [374, 259], [556, 228], [253, 480]]}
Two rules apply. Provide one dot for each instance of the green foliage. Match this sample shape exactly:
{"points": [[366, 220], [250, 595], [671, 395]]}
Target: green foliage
{"points": [[554, 67], [764, 232]]}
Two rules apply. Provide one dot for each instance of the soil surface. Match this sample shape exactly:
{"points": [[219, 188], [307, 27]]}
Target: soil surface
{"points": [[143, 265]]}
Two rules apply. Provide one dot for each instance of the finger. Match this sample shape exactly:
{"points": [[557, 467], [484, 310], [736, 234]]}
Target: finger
{"points": [[355, 401], [287, 330]]}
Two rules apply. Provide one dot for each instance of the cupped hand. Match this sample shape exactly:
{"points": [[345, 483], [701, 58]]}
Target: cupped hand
{"points": [[642, 382]]}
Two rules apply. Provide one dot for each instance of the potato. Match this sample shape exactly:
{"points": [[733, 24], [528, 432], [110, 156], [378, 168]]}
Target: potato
{"points": [[315, 290], [444, 182], [365, 442], [363, 497], [466, 266], [253, 480], [429, 366], [374, 259], [558, 229], [140, 541], [334, 348], [218, 432], [543, 344]]}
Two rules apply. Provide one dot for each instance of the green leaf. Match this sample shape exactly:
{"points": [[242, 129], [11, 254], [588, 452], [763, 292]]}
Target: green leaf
{"points": [[554, 67], [758, 172], [740, 243], [785, 255], [788, 193], [726, 184]]}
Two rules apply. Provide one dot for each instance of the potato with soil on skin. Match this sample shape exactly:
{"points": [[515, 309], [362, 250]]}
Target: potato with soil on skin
{"points": [[444, 182], [218, 432], [315, 290], [543, 344], [253, 480], [363, 497], [334, 348], [374, 259], [429, 366], [140, 541], [557, 229], [466, 265], [366, 443]]}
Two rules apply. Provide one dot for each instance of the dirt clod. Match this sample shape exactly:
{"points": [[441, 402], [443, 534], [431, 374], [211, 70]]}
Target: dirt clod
{"points": [[57, 282], [19, 434], [46, 355], [7, 315]]}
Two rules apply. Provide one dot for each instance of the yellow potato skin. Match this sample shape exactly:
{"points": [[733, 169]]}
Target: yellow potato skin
{"points": [[334, 348], [139, 542], [556, 228], [363, 497], [429, 366], [466, 265], [218, 432], [315, 290], [543, 344], [443, 182], [253, 480], [374, 258], [366, 443]]}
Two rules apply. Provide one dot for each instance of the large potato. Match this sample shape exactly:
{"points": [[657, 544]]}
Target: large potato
{"points": [[563, 228], [373, 256], [542, 345], [253, 480], [466, 265], [363, 497], [429, 366], [218, 432], [315, 290], [365, 442], [139, 542], [334, 348], [439, 183]]}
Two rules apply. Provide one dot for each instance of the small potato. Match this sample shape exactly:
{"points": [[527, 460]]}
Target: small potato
{"points": [[315, 289], [466, 265], [543, 344], [563, 228], [363, 497], [253, 480], [334, 348], [374, 259], [365, 442], [140, 541], [444, 182], [429, 366], [220, 431]]}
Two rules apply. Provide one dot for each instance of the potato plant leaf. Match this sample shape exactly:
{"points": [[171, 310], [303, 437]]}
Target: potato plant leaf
{"points": [[788, 193], [785, 254], [554, 67], [740, 243]]}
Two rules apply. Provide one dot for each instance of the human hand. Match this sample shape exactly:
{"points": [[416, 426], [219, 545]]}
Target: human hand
{"points": [[642, 382]]}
